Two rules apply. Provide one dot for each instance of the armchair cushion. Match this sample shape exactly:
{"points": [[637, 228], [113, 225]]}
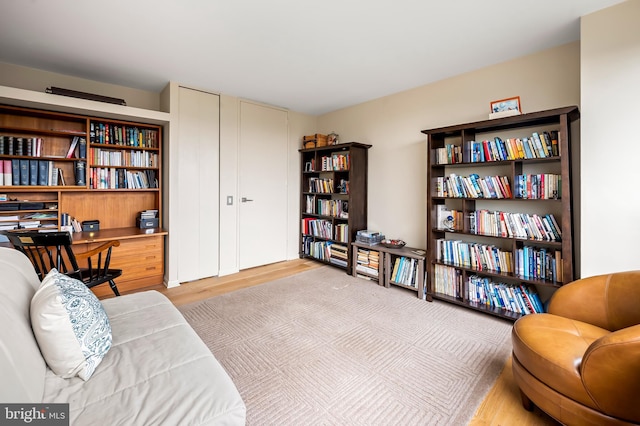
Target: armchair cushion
{"points": [[70, 325]]}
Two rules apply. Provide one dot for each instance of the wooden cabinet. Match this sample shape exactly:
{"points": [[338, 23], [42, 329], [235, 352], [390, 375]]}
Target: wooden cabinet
{"points": [[87, 168], [140, 256], [333, 202], [499, 211]]}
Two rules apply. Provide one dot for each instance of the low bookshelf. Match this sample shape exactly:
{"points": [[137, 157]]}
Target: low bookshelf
{"points": [[403, 267]]}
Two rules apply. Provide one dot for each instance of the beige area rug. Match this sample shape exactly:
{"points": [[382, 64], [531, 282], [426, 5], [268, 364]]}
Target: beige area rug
{"points": [[324, 348]]}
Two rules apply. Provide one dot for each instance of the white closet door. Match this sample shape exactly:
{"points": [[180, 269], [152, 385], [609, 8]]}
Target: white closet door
{"points": [[199, 183], [263, 185]]}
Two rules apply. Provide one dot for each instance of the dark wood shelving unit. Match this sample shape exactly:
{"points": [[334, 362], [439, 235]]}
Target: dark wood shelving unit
{"points": [[557, 120], [356, 171]]}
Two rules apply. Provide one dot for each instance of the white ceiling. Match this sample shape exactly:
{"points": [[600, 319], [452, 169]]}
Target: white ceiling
{"points": [[308, 56]]}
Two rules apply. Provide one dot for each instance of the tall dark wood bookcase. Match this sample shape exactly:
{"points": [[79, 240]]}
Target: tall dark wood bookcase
{"points": [[333, 201], [92, 192], [453, 150]]}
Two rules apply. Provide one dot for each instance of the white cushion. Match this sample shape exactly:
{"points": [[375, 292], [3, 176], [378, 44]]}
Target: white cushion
{"points": [[70, 325]]}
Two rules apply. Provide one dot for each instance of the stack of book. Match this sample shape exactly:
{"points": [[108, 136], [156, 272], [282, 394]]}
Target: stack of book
{"points": [[339, 254], [368, 262]]}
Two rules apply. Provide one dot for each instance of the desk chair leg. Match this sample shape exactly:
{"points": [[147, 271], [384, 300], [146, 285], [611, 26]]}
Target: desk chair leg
{"points": [[112, 283]]}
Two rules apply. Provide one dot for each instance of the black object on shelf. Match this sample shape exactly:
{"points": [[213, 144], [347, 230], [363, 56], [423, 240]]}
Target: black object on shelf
{"points": [[84, 95]]}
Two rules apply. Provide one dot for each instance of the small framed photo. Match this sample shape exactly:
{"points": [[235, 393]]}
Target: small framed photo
{"points": [[504, 107]]}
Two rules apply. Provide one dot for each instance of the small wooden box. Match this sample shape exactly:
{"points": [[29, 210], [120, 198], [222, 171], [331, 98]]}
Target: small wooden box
{"points": [[315, 140]]}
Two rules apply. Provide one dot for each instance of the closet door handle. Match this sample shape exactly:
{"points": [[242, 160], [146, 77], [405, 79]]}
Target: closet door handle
{"points": [[245, 200]]}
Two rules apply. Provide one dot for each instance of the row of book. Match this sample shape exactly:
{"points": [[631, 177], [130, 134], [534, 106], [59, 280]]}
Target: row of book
{"points": [[25, 172], [405, 271], [518, 298], [127, 158], [334, 208], [113, 134], [476, 256], [327, 251], [325, 229], [317, 228], [521, 299], [515, 225], [472, 186], [335, 162], [448, 281], [539, 145], [450, 154], [368, 262], [112, 178], [326, 186], [321, 185], [342, 232], [544, 186], [16, 145], [539, 264], [33, 147]]}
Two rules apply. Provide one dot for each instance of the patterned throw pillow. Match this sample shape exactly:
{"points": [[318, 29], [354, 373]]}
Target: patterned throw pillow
{"points": [[70, 325]]}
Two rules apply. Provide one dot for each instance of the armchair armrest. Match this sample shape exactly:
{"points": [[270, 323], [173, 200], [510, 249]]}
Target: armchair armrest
{"points": [[610, 372], [608, 301]]}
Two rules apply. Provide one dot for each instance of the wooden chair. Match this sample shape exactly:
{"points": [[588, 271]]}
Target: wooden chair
{"points": [[48, 250]]}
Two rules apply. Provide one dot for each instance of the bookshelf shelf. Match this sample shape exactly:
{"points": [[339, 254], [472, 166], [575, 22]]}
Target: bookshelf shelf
{"points": [[61, 145], [327, 237], [524, 245]]}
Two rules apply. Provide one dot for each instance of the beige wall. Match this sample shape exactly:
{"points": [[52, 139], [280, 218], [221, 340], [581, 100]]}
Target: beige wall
{"points": [[607, 60], [610, 70], [397, 160], [38, 80]]}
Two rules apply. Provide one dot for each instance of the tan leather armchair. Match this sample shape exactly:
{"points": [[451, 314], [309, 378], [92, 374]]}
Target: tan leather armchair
{"points": [[580, 362]]}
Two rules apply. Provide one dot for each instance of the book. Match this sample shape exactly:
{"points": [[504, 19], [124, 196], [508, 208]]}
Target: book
{"points": [[33, 172], [23, 171], [82, 148], [7, 171], [72, 147], [80, 173], [43, 172], [61, 181]]}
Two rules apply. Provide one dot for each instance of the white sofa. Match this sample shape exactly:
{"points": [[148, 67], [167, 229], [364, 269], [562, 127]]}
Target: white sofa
{"points": [[157, 371]]}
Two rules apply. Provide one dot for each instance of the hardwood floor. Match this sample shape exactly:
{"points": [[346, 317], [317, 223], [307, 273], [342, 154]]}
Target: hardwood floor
{"points": [[501, 407]]}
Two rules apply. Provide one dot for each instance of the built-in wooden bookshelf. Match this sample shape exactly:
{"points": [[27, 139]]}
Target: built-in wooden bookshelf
{"points": [[88, 168], [333, 201], [499, 212]]}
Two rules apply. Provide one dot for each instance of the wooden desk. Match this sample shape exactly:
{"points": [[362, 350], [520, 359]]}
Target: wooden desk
{"points": [[140, 256]]}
